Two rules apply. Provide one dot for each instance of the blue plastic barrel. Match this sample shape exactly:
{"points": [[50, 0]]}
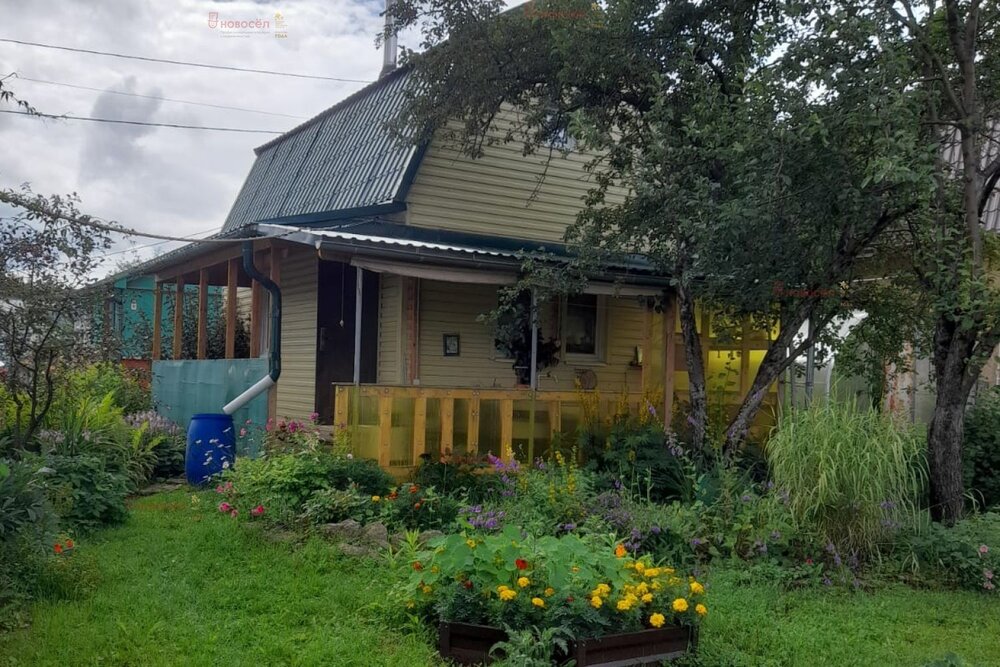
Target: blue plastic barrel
{"points": [[211, 447]]}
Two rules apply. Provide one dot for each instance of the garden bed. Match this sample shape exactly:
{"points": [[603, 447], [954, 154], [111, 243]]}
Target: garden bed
{"points": [[469, 644]]}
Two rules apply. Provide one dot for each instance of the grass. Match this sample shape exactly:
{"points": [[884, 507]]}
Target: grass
{"points": [[184, 587]]}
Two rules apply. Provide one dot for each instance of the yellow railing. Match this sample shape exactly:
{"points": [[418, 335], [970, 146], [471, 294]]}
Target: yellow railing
{"points": [[398, 424]]}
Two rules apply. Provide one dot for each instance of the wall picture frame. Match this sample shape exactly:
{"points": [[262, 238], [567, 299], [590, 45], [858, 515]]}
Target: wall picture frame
{"points": [[452, 345]]}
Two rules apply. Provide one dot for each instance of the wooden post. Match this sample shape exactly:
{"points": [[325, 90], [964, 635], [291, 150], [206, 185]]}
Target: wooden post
{"points": [[384, 428], [447, 424], [472, 447], [555, 418], [669, 359], [202, 313], [157, 323], [178, 317], [411, 308], [341, 396], [231, 292], [419, 428], [507, 429]]}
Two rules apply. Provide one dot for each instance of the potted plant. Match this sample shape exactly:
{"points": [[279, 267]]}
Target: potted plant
{"points": [[616, 608]]}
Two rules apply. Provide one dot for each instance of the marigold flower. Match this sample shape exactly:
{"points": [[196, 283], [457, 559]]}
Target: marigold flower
{"points": [[375, 499], [680, 605], [657, 620], [521, 564], [603, 589], [523, 582], [426, 589], [507, 594], [620, 551], [538, 602], [596, 602], [697, 589], [69, 544], [549, 592], [413, 489], [468, 584], [639, 567], [624, 605], [416, 506], [647, 598], [57, 548], [652, 572], [471, 543], [701, 609], [417, 565]]}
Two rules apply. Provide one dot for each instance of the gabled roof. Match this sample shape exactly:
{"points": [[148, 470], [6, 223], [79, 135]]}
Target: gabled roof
{"points": [[342, 159]]}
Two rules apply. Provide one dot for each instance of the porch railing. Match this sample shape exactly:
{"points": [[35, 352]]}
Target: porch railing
{"points": [[396, 425]]}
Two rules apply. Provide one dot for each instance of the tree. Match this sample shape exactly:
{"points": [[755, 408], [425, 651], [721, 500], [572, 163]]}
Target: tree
{"points": [[44, 260], [761, 142]]}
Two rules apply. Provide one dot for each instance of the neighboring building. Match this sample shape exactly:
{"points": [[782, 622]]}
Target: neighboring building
{"points": [[387, 255]]}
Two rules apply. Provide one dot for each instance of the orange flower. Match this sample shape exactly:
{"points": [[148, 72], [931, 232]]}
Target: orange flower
{"points": [[620, 551], [57, 548], [69, 544]]}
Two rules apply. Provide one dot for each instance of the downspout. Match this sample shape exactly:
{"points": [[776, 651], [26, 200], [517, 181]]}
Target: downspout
{"points": [[274, 359]]}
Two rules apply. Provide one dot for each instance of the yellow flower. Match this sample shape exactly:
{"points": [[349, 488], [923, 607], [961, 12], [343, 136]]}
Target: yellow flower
{"points": [[596, 602], [538, 602], [657, 620], [620, 551], [696, 588], [653, 572], [507, 594], [471, 543], [642, 589], [549, 592], [647, 598], [680, 605], [501, 588], [624, 605], [575, 569], [701, 609], [655, 586], [668, 570], [523, 582], [375, 499], [673, 581], [639, 567], [195, 500], [435, 569], [426, 589], [603, 589]]}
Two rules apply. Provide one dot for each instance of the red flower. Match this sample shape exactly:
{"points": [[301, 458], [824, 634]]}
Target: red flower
{"points": [[521, 564], [69, 544], [417, 566], [416, 506], [57, 548], [468, 584], [570, 599], [257, 511], [809, 561], [413, 489]]}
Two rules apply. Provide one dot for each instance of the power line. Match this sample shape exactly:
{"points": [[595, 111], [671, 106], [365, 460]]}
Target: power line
{"points": [[182, 62], [146, 246], [156, 97], [137, 122]]}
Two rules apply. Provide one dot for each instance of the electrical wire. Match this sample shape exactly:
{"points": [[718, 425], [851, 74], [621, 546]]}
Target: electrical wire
{"points": [[137, 122], [21, 77], [182, 62]]}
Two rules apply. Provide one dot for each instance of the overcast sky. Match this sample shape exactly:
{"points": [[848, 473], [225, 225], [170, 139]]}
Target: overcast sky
{"points": [[174, 181]]}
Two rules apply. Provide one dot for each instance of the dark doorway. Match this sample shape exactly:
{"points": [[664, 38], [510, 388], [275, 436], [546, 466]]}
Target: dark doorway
{"points": [[336, 298]]}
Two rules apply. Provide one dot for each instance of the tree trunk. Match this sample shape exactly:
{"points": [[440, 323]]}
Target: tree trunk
{"points": [[698, 418], [944, 451]]}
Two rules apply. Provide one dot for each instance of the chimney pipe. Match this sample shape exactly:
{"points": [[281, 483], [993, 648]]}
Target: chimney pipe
{"points": [[389, 45]]}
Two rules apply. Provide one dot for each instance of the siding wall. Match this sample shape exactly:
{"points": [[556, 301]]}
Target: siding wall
{"points": [[297, 385], [500, 193], [390, 330], [454, 308]]}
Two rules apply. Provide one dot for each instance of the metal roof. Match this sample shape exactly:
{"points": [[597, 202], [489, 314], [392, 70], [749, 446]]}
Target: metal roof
{"points": [[342, 159]]}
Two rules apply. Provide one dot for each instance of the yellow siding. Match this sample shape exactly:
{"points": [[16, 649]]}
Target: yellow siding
{"points": [[390, 329], [297, 385], [500, 193], [454, 308]]}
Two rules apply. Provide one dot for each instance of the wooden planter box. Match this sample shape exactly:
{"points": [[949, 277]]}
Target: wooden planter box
{"points": [[469, 644]]}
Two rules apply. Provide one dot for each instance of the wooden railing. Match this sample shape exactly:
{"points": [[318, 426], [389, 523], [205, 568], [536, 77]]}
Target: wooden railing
{"points": [[398, 424]]}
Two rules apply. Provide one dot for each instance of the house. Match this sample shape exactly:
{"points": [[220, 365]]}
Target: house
{"points": [[386, 255]]}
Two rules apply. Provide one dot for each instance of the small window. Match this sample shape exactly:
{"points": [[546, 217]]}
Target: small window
{"points": [[581, 325]]}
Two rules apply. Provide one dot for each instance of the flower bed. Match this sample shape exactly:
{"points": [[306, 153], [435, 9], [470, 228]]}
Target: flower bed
{"points": [[614, 606]]}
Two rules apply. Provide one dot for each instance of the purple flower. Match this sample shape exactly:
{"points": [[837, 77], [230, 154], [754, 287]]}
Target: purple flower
{"points": [[655, 530], [696, 542], [827, 582], [746, 497], [775, 535]]}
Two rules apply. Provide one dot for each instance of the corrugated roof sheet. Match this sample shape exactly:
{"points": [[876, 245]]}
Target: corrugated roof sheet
{"points": [[341, 159]]}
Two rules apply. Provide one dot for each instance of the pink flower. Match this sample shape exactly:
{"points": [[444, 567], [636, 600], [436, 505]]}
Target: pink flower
{"points": [[983, 549], [988, 574], [219, 489], [248, 422], [225, 507], [257, 511], [243, 433], [293, 426], [314, 417], [234, 513], [228, 486]]}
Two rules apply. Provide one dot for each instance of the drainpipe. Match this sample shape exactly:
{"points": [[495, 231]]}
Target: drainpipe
{"points": [[274, 360]]}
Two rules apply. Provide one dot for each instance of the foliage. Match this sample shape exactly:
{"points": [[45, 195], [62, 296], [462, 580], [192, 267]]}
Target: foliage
{"points": [[532, 647], [455, 476], [414, 507], [982, 448], [85, 491], [965, 555], [129, 388], [590, 588], [69, 574], [169, 453], [852, 475], [333, 505]]}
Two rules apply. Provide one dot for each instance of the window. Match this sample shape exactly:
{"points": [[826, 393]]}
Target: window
{"points": [[581, 330]]}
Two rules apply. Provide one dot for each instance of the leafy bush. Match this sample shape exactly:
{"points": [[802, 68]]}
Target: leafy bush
{"points": [[168, 454], [129, 388], [981, 456], [69, 575], [85, 491], [333, 505], [965, 555], [416, 508], [457, 477], [852, 475]]}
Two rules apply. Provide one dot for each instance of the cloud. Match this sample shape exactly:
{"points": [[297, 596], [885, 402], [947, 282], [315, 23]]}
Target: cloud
{"points": [[112, 149]]}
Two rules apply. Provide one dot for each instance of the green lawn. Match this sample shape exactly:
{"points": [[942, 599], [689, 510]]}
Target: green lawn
{"points": [[183, 587]]}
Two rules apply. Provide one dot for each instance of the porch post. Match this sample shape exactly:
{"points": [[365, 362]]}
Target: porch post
{"points": [[256, 313], [202, 313], [157, 322], [357, 325], [178, 316], [231, 288], [534, 340], [669, 359]]}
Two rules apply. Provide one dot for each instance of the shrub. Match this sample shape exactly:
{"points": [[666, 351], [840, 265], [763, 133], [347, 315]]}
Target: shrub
{"points": [[981, 457], [458, 477], [333, 505], [852, 475], [85, 492], [168, 454], [966, 555], [128, 388], [416, 508]]}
